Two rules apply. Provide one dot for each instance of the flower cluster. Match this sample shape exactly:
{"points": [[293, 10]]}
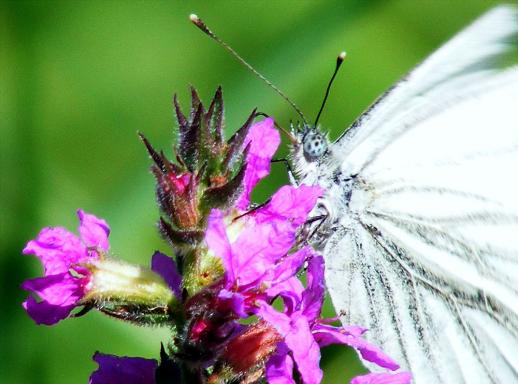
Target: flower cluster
{"points": [[233, 295]]}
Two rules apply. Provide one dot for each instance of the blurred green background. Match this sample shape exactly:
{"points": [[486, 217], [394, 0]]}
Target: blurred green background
{"points": [[78, 79]]}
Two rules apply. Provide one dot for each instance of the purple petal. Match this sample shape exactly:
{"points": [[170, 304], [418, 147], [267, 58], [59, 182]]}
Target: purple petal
{"points": [[123, 370], [287, 267], [264, 140], [293, 286], [305, 350], [290, 203], [217, 241], [265, 237], [313, 296], [46, 313], [326, 335], [259, 247], [233, 301], [354, 330], [290, 291], [59, 294], [299, 339], [279, 369], [57, 250], [383, 378], [94, 231], [56, 289], [270, 232], [280, 321], [166, 267]]}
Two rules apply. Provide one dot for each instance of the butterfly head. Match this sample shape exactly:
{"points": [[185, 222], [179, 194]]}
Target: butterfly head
{"points": [[314, 144], [310, 142]]}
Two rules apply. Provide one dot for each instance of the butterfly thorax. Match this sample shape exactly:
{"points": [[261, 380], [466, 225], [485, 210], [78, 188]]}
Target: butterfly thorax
{"points": [[315, 164]]}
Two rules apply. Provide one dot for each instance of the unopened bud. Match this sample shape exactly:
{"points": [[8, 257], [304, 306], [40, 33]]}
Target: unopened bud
{"points": [[251, 348], [129, 292]]}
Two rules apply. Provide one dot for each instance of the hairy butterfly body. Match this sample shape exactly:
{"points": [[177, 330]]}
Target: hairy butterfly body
{"points": [[421, 206]]}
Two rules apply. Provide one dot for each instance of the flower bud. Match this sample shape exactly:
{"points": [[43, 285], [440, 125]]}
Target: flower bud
{"points": [[129, 292], [248, 351], [208, 172]]}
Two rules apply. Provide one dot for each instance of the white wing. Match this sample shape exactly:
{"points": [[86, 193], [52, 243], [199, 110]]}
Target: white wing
{"points": [[425, 246]]}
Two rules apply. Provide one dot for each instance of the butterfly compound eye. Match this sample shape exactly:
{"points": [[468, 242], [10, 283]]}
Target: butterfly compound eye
{"points": [[314, 146]]}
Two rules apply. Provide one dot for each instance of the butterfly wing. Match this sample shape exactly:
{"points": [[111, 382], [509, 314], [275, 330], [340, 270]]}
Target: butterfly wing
{"points": [[425, 250]]}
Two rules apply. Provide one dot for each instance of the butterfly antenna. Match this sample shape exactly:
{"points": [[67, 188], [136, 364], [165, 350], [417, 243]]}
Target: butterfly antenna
{"points": [[339, 60], [292, 138], [201, 25]]}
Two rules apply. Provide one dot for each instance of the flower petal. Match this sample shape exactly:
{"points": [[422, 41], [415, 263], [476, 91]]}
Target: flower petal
{"points": [[279, 368], [287, 267], [290, 291], [259, 247], [94, 231], [354, 330], [290, 203], [57, 249], [233, 301], [264, 140], [270, 232], [217, 241], [326, 335], [46, 313], [166, 267], [59, 295], [292, 286], [313, 296], [383, 378], [280, 321], [305, 350], [123, 370], [299, 339]]}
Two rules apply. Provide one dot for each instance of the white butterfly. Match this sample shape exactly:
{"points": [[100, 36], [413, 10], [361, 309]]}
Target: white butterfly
{"points": [[421, 234]]}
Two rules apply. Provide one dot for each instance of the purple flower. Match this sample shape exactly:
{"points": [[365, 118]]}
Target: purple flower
{"points": [[255, 248], [304, 333], [65, 280], [123, 370]]}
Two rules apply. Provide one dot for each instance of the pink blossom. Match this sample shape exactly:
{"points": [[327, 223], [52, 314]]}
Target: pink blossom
{"points": [[305, 333], [65, 281], [258, 258]]}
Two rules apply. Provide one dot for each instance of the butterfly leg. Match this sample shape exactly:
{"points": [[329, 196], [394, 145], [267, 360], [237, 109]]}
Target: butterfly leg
{"points": [[321, 219], [251, 210], [291, 175], [308, 232]]}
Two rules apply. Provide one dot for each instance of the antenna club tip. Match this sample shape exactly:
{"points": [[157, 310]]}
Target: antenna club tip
{"points": [[342, 56], [200, 24]]}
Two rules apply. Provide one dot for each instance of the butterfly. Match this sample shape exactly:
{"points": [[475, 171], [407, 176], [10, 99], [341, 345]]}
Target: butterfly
{"points": [[420, 235], [419, 220]]}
